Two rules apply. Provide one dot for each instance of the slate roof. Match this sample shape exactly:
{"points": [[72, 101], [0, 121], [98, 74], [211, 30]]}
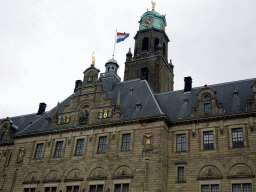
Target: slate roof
{"points": [[173, 105], [134, 92]]}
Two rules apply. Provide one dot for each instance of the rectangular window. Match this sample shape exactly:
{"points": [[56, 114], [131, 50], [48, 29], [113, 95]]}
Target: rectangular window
{"points": [[50, 189], [30, 190], [39, 150], [208, 140], [181, 142], [210, 188], [96, 188], [79, 147], [58, 149], [181, 174], [207, 108], [237, 137], [126, 142], [242, 187], [102, 144], [122, 187], [3, 136], [73, 189]]}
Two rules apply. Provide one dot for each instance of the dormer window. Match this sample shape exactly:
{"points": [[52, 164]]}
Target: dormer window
{"points": [[67, 119], [138, 105], [63, 120], [207, 108], [90, 77], [59, 121], [110, 113]]}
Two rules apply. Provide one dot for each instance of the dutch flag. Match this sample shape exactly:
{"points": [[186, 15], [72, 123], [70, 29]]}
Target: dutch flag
{"points": [[121, 36]]}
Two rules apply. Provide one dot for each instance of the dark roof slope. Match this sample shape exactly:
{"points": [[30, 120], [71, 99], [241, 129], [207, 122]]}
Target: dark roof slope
{"points": [[173, 105]]}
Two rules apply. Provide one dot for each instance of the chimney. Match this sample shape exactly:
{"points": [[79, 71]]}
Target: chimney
{"points": [[188, 84], [78, 82], [41, 110]]}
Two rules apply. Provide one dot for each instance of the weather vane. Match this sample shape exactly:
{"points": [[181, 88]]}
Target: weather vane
{"points": [[153, 5], [93, 59]]}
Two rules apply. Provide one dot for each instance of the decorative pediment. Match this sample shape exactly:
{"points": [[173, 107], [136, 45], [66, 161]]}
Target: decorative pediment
{"points": [[240, 171], [122, 172], [98, 174], [53, 176], [32, 178], [209, 172]]}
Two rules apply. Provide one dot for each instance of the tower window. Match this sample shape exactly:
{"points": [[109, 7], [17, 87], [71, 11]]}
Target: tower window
{"points": [[156, 43], [145, 43], [207, 108], [144, 73]]}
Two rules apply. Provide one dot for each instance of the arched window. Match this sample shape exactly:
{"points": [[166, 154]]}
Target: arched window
{"points": [[145, 43], [156, 43], [108, 69], [164, 49], [144, 73]]}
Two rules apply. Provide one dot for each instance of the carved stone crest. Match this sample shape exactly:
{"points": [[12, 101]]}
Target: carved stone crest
{"points": [[148, 144], [84, 117], [98, 173], [209, 172], [240, 171], [20, 157], [122, 172]]}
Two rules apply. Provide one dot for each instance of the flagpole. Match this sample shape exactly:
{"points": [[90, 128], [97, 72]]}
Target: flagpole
{"points": [[114, 46]]}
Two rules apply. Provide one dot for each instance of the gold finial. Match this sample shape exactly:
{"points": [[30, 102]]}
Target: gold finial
{"points": [[153, 5], [93, 59]]}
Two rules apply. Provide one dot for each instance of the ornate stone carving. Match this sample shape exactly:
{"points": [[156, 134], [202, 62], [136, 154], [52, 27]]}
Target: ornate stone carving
{"points": [[74, 175], [148, 144], [20, 157], [240, 170], [98, 173], [122, 172], [84, 117], [31, 178], [53, 176], [209, 172]]}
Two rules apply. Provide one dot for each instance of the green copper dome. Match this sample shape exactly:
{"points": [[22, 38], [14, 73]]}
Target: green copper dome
{"points": [[152, 19]]}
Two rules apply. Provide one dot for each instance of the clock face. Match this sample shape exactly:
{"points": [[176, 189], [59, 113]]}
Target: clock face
{"points": [[147, 21]]}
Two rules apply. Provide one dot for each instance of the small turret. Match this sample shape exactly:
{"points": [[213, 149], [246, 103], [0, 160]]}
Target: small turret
{"points": [[111, 66], [129, 55]]}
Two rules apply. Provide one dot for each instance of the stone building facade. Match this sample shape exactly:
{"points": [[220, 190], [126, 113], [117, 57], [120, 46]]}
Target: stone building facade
{"points": [[136, 135]]}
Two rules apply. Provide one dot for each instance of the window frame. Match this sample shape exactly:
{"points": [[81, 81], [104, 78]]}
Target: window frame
{"points": [[96, 183], [29, 187], [97, 144], [241, 181], [41, 151], [213, 129], [181, 149], [75, 147], [51, 185], [175, 141], [231, 136], [121, 181], [237, 137], [63, 147], [35, 147], [210, 183], [73, 184], [122, 142], [184, 175]]}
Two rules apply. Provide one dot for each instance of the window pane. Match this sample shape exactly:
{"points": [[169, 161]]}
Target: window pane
{"points": [[26, 190], [3, 135], [215, 188], [181, 142], [247, 188], [180, 173], [125, 187], [126, 142], [32, 190], [39, 150], [76, 189], [102, 144], [69, 189], [205, 188], [54, 189], [207, 108], [58, 148], [236, 188], [237, 136], [118, 188], [47, 189], [100, 188], [79, 147], [93, 188], [208, 140]]}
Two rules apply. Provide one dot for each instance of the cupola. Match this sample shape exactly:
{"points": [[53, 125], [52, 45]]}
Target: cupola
{"points": [[111, 66]]}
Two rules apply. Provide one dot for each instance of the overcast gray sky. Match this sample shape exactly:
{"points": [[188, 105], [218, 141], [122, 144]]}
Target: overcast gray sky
{"points": [[45, 45]]}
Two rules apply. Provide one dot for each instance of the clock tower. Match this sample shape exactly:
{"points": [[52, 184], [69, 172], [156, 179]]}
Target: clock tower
{"points": [[150, 59]]}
